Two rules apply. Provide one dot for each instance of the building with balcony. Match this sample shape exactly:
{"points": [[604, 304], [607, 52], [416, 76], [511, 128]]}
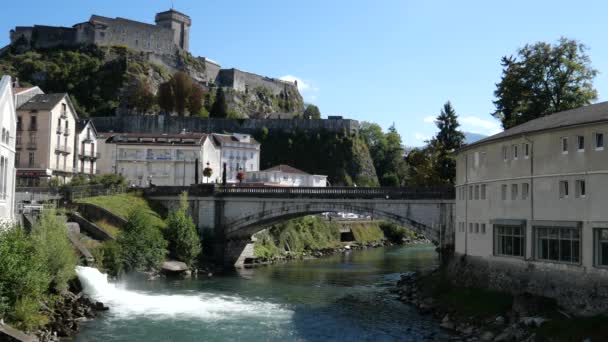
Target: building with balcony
{"points": [[8, 121], [45, 139], [534, 198], [240, 152], [160, 159], [284, 175], [86, 153]]}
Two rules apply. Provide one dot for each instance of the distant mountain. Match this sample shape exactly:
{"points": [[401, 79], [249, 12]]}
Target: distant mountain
{"points": [[470, 138]]}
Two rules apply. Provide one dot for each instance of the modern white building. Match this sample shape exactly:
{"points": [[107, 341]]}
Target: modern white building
{"points": [[87, 153], [239, 152], [536, 195], [285, 175], [160, 159], [8, 121]]}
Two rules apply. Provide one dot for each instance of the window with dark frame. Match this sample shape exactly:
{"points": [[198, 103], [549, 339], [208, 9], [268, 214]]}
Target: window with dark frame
{"points": [[509, 240], [601, 246], [581, 143], [561, 244]]}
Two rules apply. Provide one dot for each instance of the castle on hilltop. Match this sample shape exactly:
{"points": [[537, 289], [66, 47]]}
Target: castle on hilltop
{"points": [[171, 32], [162, 43]]}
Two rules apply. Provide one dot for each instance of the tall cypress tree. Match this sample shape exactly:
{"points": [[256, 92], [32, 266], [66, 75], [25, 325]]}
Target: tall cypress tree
{"points": [[446, 142], [449, 137], [219, 108]]}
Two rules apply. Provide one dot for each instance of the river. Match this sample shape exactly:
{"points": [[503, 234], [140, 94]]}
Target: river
{"points": [[339, 298]]}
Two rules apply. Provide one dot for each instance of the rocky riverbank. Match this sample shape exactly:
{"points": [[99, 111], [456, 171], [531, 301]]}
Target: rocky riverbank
{"points": [[479, 315], [326, 252], [66, 315]]}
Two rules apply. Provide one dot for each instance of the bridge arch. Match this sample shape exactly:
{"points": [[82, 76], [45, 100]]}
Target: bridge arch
{"points": [[245, 226]]}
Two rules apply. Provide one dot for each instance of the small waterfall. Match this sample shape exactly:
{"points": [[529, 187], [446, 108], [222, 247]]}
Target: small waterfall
{"points": [[125, 303]]}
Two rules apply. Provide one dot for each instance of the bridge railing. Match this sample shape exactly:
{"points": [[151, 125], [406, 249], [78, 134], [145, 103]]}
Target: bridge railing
{"points": [[307, 192]]}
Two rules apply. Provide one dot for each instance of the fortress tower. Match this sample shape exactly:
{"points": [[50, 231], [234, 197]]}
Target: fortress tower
{"points": [[179, 23]]}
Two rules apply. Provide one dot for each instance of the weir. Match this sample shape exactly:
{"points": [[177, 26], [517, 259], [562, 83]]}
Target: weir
{"points": [[233, 214]]}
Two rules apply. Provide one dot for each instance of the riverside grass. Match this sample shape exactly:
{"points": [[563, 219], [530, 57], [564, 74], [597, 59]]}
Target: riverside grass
{"points": [[312, 233], [123, 204]]}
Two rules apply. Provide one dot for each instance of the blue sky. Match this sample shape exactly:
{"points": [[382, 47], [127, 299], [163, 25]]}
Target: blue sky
{"points": [[386, 61]]}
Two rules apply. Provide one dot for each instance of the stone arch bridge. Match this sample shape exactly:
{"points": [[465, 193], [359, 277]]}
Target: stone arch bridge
{"points": [[236, 213]]}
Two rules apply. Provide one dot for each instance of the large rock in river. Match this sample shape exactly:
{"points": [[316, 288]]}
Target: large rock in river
{"points": [[174, 266]]}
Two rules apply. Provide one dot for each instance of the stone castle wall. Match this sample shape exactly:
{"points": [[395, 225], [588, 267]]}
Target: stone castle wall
{"points": [[136, 36], [174, 124], [242, 81]]}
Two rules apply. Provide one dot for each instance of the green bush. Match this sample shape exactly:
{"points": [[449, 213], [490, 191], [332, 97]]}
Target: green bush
{"points": [[182, 236], [141, 242], [108, 258], [395, 233], [50, 237], [23, 272], [299, 235]]}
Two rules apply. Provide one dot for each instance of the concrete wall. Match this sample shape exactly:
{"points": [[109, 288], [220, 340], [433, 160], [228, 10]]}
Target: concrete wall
{"points": [[579, 292], [542, 170], [174, 124], [8, 123]]}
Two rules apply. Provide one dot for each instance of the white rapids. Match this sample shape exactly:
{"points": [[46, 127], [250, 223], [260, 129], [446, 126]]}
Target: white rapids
{"points": [[125, 303]]}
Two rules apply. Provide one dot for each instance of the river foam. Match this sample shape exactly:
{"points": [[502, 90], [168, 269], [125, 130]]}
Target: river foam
{"points": [[125, 303]]}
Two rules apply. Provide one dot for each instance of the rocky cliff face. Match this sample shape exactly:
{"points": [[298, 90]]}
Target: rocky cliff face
{"points": [[101, 79]]}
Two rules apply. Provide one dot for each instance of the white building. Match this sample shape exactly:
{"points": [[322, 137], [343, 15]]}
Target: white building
{"points": [[240, 152], [45, 139], [536, 194], [160, 159], [285, 175], [86, 154], [8, 121]]}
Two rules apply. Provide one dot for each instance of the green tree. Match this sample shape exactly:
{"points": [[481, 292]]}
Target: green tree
{"points": [[183, 238], [165, 97], [180, 94], [446, 142], [139, 96], [312, 112], [543, 79], [219, 108], [50, 235], [421, 168], [24, 277], [141, 243]]}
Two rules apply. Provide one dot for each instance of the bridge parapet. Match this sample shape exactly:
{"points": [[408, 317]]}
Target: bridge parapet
{"points": [[389, 193]]}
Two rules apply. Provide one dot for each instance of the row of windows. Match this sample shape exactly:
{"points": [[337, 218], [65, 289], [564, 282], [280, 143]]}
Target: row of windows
{"points": [[580, 189], [561, 244], [474, 228], [515, 152], [598, 143], [476, 192], [520, 191], [31, 159]]}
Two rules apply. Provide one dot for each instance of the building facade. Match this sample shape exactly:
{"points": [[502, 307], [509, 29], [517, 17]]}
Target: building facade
{"points": [[285, 175], [45, 139], [8, 121], [161, 159], [535, 195], [87, 153], [239, 152]]}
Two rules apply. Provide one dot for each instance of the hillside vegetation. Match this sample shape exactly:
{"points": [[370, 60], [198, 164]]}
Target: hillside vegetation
{"points": [[345, 158]]}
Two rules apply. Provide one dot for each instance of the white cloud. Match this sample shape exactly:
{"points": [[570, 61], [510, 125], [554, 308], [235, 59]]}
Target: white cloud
{"points": [[481, 126], [473, 124], [421, 137], [302, 85]]}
